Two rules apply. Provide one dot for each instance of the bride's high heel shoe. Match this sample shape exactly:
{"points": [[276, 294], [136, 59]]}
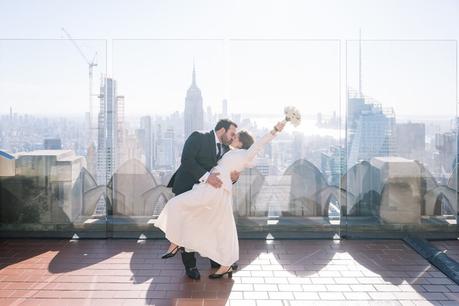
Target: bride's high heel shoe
{"points": [[171, 253], [229, 272]]}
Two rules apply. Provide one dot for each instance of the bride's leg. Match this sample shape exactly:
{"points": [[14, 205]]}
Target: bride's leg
{"points": [[172, 246], [222, 269], [173, 249]]}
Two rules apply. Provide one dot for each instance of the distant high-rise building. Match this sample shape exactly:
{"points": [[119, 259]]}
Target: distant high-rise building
{"points": [[91, 158], [263, 165], [297, 146], [236, 118], [147, 141], [194, 112], [446, 145], [411, 140], [165, 149], [132, 148], [371, 130], [52, 144], [356, 106], [209, 119], [110, 132], [333, 164], [121, 132]]}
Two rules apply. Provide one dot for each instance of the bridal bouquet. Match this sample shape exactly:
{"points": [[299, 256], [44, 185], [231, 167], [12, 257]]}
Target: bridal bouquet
{"points": [[292, 115]]}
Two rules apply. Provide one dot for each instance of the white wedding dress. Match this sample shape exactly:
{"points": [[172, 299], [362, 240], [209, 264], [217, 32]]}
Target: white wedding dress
{"points": [[202, 219]]}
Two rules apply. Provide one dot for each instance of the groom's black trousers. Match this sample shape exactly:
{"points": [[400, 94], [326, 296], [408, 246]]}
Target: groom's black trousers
{"points": [[188, 259]]}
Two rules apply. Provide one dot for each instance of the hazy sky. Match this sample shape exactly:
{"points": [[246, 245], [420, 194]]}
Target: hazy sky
{"points": [[304, 62]]}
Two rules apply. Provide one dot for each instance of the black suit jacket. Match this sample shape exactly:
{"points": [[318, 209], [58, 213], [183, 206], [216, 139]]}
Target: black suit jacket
{"points": [[198, 157]]}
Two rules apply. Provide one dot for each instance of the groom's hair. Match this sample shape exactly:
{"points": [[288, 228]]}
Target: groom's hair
{"points": [[224, 123], [246, 139]]}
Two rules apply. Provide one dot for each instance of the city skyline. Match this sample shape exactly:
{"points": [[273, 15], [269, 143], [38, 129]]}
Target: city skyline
{"points": [[249, 80], [108, 112]]}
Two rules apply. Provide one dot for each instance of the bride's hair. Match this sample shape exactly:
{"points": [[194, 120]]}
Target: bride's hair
{"points": [[246, 139]]}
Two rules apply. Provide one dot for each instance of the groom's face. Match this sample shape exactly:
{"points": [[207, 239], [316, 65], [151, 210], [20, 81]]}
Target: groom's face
{"points": [[229, 135]]}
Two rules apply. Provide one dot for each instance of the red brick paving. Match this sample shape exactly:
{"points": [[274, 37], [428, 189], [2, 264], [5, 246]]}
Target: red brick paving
{"points": [[281, 272]]}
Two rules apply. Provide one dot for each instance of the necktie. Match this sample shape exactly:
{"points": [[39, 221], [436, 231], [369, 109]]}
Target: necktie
{"points": [[219, 152]]}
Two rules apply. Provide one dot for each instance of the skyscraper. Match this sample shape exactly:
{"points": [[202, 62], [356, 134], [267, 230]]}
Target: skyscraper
{"points": [[371, 130], [109, 130], [91, 159], [411, 140], [194, 112], [165, 149], [209, 122], [446, 144], [333, 164], [147, 141]]}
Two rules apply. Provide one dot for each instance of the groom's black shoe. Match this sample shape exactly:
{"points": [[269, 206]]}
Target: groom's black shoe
{"points": [[215, 265], [193, 273]]}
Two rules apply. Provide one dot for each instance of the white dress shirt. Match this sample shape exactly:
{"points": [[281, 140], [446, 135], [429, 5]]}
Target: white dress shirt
{"points": [[203, 178]]}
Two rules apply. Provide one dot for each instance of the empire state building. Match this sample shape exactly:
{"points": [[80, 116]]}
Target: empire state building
{"points": [[194, 112]]}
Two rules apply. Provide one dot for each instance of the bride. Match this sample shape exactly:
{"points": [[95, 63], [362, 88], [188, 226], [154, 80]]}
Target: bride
{"points": [[202, 219]]}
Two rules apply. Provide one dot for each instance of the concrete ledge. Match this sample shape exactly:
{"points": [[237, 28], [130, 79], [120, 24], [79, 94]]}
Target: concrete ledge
{"points": [[436, 257]]}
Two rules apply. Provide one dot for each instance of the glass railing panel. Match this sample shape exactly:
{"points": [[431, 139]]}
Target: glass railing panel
{"points": [[48, 148]]}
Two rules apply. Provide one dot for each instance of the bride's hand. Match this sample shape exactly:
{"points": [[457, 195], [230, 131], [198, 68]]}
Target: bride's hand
{"points": [[279, 126]]}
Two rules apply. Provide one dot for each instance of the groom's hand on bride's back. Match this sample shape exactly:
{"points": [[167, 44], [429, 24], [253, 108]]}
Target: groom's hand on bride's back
{"points": [[214, 180]]}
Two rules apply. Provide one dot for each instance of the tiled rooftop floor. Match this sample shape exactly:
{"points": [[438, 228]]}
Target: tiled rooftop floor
{"points": [[301, 272]]}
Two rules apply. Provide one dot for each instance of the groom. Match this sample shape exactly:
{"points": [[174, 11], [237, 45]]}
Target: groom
{"points": [[200, 154]]}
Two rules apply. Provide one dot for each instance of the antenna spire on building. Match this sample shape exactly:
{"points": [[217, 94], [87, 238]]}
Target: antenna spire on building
{"points": [[194, 74], [360, 63]]}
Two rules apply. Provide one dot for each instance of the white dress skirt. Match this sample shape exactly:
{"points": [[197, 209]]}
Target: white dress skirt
{"points": [[201, 219]]}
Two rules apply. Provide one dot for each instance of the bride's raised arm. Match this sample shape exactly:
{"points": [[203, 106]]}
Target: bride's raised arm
{"points": [[259, 143]]}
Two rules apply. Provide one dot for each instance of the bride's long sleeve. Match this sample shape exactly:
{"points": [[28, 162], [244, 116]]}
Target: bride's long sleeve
{"points": [[258, 145]]}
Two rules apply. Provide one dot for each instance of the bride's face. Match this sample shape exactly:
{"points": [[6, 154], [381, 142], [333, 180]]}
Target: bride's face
{"points": [[237, 144]]}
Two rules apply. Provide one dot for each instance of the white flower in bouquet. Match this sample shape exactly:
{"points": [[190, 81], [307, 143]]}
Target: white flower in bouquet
{"points": [[292, 115]]}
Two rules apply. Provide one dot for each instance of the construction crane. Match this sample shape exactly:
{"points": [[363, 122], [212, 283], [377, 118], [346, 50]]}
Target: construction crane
{"points": [[91, 64]]}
